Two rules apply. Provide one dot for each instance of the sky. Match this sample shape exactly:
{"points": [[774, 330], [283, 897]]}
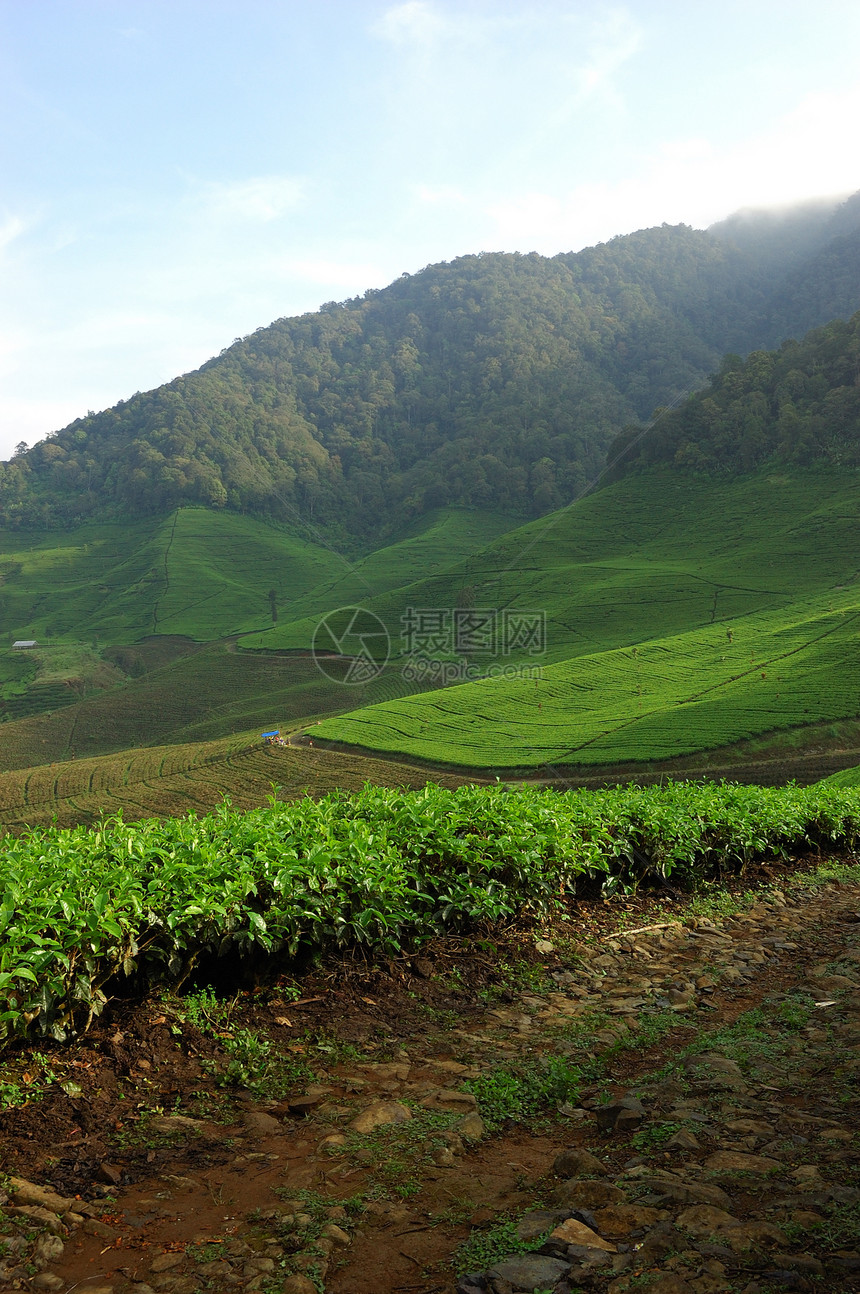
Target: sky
{"points": [[177, 173]]}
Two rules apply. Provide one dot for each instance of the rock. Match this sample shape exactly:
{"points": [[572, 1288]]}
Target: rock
{"points": [[661, 1240], [93, 1227], [259, 1121], [683, 1140], [450, 1099], [753, 1235], [166, 1262], [167, 1123], [798, 1263], [583, 1193], [705, 1219], [44, 1217], [694, 1193], [716, 1070], [670, 1283], [529, 1272], [576, 1162], [24, 1192], [532, 1225], [471, 1126], [389, 1071], [733, 1161], [48, 1281], [624, 1115], [572, 1232], [379, 1114], [301, 1106], [621, 1219], [49, 1249], [259, 1266], [337, 1234], [332, 1141], [752, 1128]]}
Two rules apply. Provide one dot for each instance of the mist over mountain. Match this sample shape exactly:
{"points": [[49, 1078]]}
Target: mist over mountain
{"points": [[495, 380]]}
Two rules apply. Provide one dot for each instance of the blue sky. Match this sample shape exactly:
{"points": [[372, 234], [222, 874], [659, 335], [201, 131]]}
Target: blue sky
{"points": [[175, 174]]}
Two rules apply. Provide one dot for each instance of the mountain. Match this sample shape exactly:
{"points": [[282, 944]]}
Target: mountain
{"points": [[799, 405], [493, 381], [705, 598]]}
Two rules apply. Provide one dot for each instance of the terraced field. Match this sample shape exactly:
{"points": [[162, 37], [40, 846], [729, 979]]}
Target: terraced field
{"points": [[652, 555], [641, 585], [669, 697], [203, 574], [212, 691], [164, 781]]}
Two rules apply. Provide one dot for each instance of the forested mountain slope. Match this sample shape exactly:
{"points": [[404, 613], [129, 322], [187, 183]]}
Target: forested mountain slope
{"points": [[796, 405], [494, 380]]}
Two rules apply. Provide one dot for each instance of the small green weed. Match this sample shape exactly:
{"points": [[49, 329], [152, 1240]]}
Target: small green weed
{"points": [[483, 1248], [23, 1082], [207, 1012], [653, 1137], [520, 1092]]}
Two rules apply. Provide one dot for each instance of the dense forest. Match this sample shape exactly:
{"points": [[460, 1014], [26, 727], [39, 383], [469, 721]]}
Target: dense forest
{"points": [[497, 380], [798, 404]]}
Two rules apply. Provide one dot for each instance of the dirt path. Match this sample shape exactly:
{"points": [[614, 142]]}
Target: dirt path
{"points": [[733, 1166]]}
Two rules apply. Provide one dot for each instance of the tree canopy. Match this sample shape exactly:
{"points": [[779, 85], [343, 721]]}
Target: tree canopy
{"points": [[496, 380]]}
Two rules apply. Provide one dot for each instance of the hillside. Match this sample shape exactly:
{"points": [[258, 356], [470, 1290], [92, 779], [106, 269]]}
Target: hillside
{"points": [[495, 381], [797, 405], [732, 520]]}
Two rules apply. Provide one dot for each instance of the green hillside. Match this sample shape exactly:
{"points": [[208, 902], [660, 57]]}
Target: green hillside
{"points": [[671, 696], [796, 405], [202, 574], [845, 777], [667, 598], [657, 553], [730, 526]]}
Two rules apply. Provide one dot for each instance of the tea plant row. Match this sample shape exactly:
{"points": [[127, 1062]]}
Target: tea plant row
{"points": [[83, 911]]}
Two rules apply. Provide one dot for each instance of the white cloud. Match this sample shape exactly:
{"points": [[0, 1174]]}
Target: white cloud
{"points": [[262, 198], [350, 275], [31, 419], [412, 23], [11, 228], [690, 180], [440, 195], [613, 42]]}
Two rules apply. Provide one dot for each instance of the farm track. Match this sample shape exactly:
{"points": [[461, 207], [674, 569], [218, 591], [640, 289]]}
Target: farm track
{"points": [[738, 1172], [805, 769]]}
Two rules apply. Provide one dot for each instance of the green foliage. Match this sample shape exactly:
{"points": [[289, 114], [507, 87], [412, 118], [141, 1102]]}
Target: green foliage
{"points": [[484, 1248], [797, 405], [496, 380], [521, 1092], [667, 697], [376, 870]]}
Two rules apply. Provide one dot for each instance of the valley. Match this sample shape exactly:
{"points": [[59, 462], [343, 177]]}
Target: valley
{"points": [[429, 748]]}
